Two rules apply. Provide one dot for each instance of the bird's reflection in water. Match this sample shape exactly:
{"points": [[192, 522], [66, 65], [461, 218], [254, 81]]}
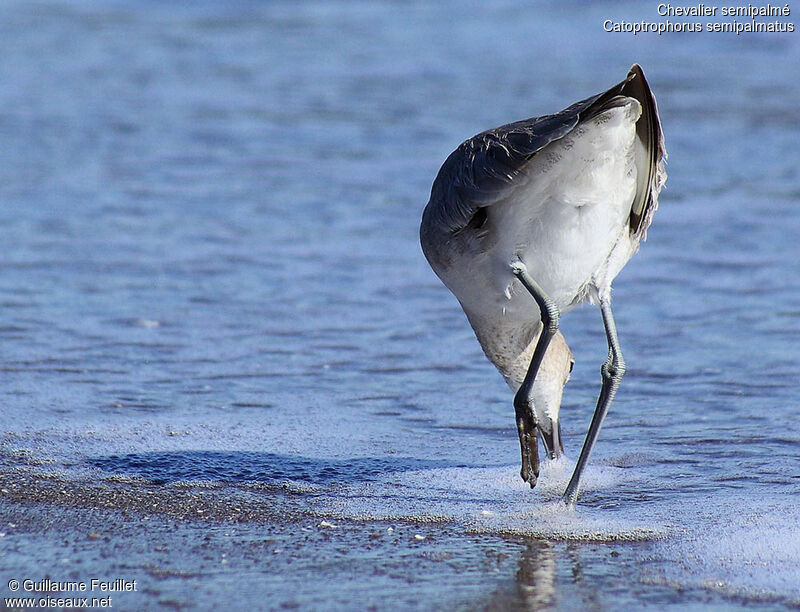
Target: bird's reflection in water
{"points": [[536, 575], [543, 568], [534, 583]]}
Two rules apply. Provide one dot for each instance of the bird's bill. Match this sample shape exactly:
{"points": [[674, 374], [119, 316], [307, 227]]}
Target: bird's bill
{"points": [[529, 446], [552, 439]]}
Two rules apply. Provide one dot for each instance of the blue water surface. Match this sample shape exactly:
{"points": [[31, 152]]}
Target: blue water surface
{"points": [[210, 272]]}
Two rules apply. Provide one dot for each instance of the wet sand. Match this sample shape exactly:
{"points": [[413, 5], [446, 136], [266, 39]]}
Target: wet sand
{"points": [[193, 563], [200, 545], [183, 501], [194, 547]]}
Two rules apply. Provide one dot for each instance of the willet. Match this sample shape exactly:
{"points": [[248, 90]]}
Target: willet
{"points": [[530, 219]]}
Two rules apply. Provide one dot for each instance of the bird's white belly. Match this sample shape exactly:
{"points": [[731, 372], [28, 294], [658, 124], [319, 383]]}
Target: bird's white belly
{"points": [[571, 214]]}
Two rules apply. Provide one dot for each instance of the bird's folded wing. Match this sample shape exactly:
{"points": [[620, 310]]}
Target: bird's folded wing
{"points": [[486, 168]]}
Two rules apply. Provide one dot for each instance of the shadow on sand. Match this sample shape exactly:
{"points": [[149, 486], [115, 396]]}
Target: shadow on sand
{"points": [[253, 466]]}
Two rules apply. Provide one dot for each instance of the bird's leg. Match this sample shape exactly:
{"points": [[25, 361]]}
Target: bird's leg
{"points": [[612, 372], [523, 400]]}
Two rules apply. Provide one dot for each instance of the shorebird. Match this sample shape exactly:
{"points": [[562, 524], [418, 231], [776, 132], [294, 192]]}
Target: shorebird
{"points": [[530, 219]]}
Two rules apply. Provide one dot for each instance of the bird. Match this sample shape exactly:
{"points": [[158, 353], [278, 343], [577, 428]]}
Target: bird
{"points": [[530, 219]]}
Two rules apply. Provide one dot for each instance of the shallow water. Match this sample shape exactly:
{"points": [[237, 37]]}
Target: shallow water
{"points": [[212, 292]]}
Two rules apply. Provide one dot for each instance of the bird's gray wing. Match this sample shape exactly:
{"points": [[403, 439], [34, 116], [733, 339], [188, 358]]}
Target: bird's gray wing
{"points": [[483, 169]]}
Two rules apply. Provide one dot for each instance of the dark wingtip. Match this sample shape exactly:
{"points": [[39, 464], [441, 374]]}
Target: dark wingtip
{"points": [[649, 129], [634, 74], [636, 70]]}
